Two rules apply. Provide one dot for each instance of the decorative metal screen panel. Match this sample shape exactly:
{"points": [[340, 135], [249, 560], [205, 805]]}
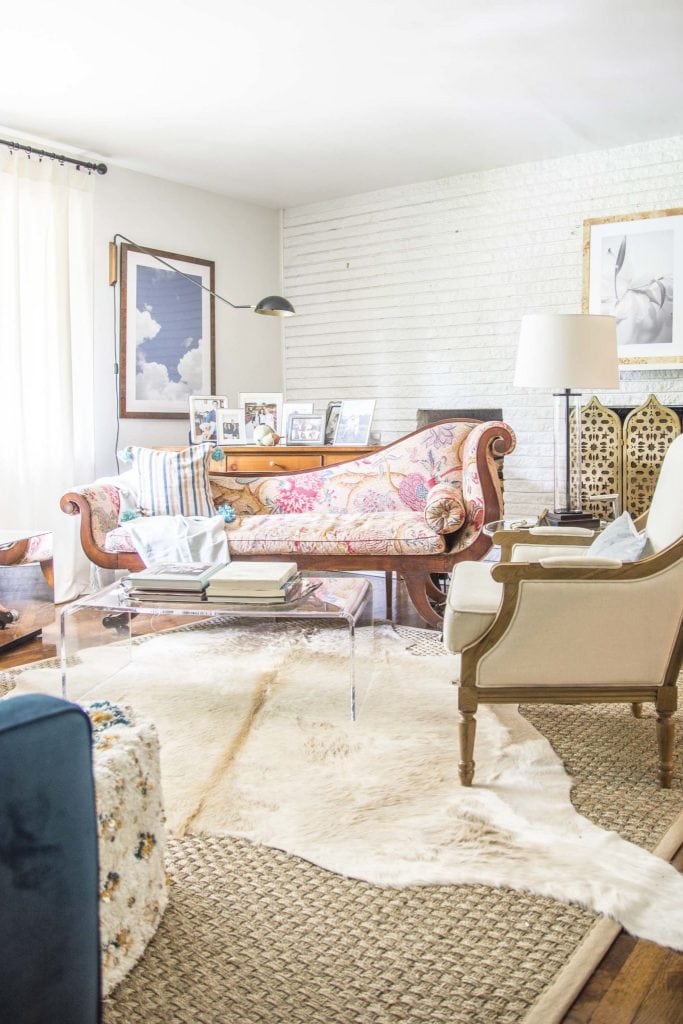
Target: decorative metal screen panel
{"points": [[624, 458], [601, 447], [648, 432]]}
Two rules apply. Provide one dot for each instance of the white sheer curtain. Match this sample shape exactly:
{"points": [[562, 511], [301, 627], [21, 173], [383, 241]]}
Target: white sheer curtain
{"points": [[46, 352]]}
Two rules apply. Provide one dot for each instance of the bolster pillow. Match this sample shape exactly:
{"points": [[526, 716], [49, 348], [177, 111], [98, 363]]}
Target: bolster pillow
{"points": [[445, 509]]}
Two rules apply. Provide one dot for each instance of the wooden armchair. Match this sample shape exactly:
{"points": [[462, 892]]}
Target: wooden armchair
{"points": [[572, 630]]}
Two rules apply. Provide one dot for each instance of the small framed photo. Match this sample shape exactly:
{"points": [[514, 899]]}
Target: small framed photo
{"points": [[289, 408], [230, 426], [306, 429], [204, 411], [331, 420], [260, 410], [355, 420]]}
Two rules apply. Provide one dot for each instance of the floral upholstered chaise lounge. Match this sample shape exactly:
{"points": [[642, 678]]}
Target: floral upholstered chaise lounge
{"points": [[415, 507]]}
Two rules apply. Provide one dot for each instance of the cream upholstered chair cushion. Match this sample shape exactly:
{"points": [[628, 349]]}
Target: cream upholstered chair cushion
{"points": [[473, 600]]}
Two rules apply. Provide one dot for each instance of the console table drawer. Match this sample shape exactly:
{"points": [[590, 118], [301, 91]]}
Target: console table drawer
{"points": [[270, 462], [254, 460]]}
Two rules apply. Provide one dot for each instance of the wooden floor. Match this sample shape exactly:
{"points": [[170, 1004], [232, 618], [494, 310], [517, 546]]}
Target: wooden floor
{"points": [[637, 981]]}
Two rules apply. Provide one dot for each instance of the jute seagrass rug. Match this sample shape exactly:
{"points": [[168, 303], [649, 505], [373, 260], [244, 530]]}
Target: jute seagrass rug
{"points": [[254, 934]]}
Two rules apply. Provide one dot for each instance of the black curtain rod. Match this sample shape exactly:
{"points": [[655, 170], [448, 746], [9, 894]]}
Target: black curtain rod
{"points": [[82, 165]]}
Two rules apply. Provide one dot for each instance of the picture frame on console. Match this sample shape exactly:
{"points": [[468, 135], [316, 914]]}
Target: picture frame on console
{"points": [[331, 420], [230, 427], [204, 413], [261, 409], [167, 336], [633, 270], [290, 408], [355, 421], [306, 429]]}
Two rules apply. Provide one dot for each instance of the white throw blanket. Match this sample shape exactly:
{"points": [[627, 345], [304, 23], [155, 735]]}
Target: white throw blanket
{"points": [[179, 539]]}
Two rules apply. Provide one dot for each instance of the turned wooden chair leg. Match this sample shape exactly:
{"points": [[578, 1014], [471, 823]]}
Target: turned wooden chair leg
{"points": [[637, 710], [467, 731], [666, 732]]}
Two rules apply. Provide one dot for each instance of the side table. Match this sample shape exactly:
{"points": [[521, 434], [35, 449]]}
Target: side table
{"points": [[338, 599], [26, 585], [510, 524], [515, 533]]}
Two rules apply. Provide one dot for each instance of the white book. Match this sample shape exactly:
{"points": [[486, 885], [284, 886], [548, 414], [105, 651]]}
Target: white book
{"points": [[174, 576], [255, 590], [163, 598], [227, 599], [287, 596], [252, 578]]}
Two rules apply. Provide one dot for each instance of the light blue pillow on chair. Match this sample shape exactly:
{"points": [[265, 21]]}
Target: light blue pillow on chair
{"points": [[619, 540]]}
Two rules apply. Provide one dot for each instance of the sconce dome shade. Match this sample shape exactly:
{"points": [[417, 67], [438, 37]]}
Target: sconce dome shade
{"points": [[274, 305]]}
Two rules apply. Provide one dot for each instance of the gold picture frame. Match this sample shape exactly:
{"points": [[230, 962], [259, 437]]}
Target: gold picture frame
{"points": [[633, 270]]}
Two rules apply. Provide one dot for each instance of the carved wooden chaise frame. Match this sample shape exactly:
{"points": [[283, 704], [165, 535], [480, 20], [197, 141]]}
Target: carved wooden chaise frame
{"points": [[416, 570]]}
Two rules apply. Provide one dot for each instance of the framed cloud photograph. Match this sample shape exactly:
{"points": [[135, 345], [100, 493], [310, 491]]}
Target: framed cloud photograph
{"points": [[355, 420], [261, 409], [204, 413], [230, 426], [633, 270], [306, 429], [167, 343]]}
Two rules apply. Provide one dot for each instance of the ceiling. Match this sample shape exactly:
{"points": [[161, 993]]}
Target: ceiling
{"points": [[285, 102]]}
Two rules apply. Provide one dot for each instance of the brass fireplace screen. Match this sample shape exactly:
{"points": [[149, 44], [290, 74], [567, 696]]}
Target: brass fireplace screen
{"points": [[622, 454]]}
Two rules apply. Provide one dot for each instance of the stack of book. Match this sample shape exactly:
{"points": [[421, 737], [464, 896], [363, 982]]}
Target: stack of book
{"points": [[171, 583], [255, 583]]}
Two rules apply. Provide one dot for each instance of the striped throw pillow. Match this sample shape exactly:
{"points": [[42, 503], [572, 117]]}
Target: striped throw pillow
{"points": [[174, 483]]}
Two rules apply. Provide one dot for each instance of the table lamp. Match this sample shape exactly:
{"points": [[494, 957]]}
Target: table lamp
{"points": [[567, 352]]}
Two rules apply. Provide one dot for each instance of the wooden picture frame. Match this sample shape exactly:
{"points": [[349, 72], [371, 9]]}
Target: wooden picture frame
{"points": [[633, 270], [167, 333]]}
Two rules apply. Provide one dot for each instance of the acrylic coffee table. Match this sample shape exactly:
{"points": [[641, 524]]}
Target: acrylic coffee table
{"points": [[337, 599]]}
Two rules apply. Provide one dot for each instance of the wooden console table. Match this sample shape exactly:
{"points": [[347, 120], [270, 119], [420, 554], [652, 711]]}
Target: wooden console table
{"points": [[262, 460]]}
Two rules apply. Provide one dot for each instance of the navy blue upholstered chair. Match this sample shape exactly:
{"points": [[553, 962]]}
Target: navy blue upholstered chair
{"points": [[49, 933]]}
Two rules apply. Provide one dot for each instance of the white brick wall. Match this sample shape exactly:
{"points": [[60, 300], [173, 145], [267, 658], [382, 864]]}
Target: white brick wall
{"points": [[414, 295]]}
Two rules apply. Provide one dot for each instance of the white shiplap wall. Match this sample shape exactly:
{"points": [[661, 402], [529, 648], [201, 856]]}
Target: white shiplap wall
{"points": [[414, 295]]}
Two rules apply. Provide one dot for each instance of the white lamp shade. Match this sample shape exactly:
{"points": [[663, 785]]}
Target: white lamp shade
{"points": [[567, 350]]}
